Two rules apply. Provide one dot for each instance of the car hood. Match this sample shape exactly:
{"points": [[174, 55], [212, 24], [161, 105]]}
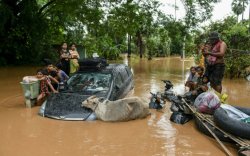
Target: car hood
{"points": [[66, 106]]}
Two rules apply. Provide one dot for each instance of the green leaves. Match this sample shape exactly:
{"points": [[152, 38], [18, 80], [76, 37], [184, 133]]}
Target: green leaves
{"points": [[198, 11], [239, 6], [30, 28], [237, 37]]}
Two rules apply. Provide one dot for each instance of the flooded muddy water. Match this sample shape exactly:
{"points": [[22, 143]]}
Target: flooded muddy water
{"points": [[23, 132]]}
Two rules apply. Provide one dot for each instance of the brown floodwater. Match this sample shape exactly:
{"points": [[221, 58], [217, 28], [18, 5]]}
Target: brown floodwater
{"points": [[23, 132]]}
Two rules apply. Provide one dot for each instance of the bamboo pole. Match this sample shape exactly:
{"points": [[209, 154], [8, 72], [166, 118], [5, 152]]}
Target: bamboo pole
{"points": [[216, 138], [210, 131], [238, 140]]}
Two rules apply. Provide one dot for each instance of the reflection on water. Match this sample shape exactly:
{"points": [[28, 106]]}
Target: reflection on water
{"points": [[23, 132]]}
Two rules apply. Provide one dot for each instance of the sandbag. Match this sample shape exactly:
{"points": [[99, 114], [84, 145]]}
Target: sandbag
{"points": [[180, 117], [155, 105], [207, 102], [156, 101], [180, 107]]}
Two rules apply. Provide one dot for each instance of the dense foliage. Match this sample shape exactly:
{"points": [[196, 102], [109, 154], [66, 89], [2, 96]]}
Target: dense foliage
{"points": [[29, 29], [237, 36]]}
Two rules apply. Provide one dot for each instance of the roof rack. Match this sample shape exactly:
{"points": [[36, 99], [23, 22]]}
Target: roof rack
{"points": [[92, 63]]}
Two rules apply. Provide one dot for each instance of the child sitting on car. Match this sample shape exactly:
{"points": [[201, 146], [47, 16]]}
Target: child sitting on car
{"points": [[45, 84]]}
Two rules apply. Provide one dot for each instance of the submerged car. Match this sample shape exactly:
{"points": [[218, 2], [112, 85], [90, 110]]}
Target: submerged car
{"points": [[111, 81]]}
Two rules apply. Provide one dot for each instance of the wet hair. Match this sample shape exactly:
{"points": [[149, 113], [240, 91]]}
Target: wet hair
{"points": [[193, 67], [47, 62], [205, 78], [72, 44], [200, 68], [63, 43], [59, 65], [60, 48], [39, 71], [43, 71]]}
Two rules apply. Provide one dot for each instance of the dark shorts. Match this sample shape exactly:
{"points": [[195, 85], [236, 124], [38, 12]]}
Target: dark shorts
{"points": [[215, 73]]}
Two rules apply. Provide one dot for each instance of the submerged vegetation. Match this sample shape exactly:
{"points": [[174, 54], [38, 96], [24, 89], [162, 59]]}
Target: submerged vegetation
{"points": [[29, 30]]}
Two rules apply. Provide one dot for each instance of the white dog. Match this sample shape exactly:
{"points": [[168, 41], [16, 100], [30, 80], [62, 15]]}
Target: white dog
{"points": [[121, 110]]}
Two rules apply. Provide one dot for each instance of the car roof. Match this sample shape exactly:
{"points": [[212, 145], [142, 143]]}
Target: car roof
{"points": [[108, 68]]}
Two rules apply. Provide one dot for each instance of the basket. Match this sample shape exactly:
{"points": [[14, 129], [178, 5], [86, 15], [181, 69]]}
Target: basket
{"points": [[31, 89]]}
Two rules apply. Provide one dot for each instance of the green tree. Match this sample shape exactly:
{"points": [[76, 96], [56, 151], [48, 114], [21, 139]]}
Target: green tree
{"points": [[238, 40], [238, 7]]}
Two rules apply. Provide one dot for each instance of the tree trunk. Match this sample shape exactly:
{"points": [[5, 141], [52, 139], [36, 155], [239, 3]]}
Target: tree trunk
{"points": [[249, 21], [139, 43], [96, 21], [242, 15], [129, 45]]}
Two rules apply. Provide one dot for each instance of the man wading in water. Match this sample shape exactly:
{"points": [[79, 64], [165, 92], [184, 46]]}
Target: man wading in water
{"points": [[215, 65]]}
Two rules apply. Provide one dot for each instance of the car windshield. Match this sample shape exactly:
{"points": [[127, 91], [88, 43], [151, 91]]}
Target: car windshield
{"points": [[89, 83]]}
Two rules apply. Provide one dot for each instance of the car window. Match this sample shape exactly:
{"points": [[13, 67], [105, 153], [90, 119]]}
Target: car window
{"points": [[128, 71], [118, 79], [123, 73], [89, 82]]}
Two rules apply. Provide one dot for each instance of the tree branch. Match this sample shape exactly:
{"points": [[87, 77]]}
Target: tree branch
{"points": [[45, 6]]}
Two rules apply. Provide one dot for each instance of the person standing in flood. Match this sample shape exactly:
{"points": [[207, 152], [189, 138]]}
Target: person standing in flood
{"points": [[214, 57], [74, 65], [65, 58]]}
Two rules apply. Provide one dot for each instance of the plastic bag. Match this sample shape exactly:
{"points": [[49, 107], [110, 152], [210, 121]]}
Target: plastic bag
{"points": [[234, 113], [207, 102], [222, 96], [29, 79], [180, 117]]}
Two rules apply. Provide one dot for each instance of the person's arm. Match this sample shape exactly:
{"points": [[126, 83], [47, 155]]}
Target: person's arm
{"points": [[75, 55], [62, 56], [204, 87], [52, 88], [65, 76], [53, 79], [220, 53], [205, 49], [65, 56], [58, 76], [195, 79]]}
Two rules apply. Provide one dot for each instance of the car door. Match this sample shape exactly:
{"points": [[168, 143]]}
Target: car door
{"points": [[130, 78], [123, 82], [127, 80], [118, 86]]}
